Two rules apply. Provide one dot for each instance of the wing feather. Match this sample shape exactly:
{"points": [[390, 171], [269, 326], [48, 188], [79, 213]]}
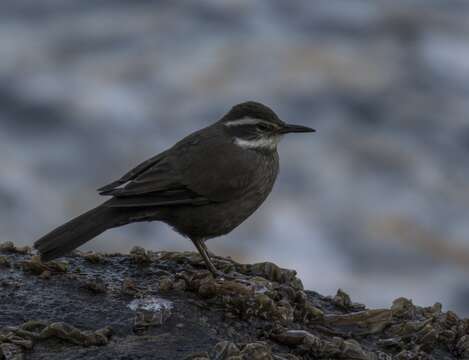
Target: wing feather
{"points": [[132, 174], [168, 198], [200, 169]]}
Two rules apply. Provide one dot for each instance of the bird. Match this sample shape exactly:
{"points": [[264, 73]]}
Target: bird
{"points": [[204, 186]]}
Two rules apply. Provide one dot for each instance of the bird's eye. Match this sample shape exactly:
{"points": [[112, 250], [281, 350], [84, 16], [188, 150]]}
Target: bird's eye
{"points": [[263, 127]]}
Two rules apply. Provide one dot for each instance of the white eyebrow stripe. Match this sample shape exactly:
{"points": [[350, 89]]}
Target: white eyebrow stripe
{"points": [[247, 121]]}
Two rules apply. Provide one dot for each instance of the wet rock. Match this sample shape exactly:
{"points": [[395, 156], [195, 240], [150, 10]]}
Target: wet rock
{"points": [[462, 347], [335, 348], [9, 247], [57, 266], [208, 289], [410, 355], [257, 312], [370, 321], [311, 314], [10, 351], [150, 311], [265, 305], [45, 275], [179, 285], [4, 262], [94, 258], [96, 286], [140, 256], [14, 340], [35, 266], [284, 357], [145, 319], [272, 272], [403, 308], [165, 283], [70, 333], [285, 311], [198, 356], [342, 299], [129, 287], [291, 337], [256, 351], [225, 350], [351, 349]]}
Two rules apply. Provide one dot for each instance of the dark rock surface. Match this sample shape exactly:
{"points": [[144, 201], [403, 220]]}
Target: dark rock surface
{"points": [[165, 305]]}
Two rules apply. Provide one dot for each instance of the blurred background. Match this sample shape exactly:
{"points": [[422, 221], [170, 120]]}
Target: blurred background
{"points": [[376, 202]]}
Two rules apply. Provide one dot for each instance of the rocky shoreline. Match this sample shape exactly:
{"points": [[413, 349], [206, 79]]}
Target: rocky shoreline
{"points": [[165, 305]]}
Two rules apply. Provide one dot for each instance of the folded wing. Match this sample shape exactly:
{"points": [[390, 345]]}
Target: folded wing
{"points": [[190, 173]]}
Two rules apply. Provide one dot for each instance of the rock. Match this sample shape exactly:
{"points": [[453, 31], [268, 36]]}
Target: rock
{"points": [[140, 256], [463, 346], [33, 265], [256, 351], [150, 311], [342, 299], [170, 302], [369, 321], [291, 337], [403, 308], [46, 274], [96, 286], [208, 289], [179, 285], [165, 283], [285, 357], [11, 352], [224, 350], [36, 266], [70, 333], [9, 247], [197, 356], [129, 287], [4, 263], [94, 258], [311, 313], [14, 340]]}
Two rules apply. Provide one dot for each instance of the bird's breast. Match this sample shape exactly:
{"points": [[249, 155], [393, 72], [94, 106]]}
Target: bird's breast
{"points": [[219, 218]]}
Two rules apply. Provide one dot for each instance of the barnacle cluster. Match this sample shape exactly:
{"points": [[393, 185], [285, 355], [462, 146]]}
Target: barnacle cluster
{"points": [[257, 311]]}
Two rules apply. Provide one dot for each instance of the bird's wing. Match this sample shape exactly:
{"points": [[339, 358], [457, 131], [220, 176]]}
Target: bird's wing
{"points": [[152, 183], [195, 171], [161, 198], [132, 174]]}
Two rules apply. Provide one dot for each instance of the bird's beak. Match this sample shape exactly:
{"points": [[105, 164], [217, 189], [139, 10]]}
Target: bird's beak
{"points": [[290, 128]]}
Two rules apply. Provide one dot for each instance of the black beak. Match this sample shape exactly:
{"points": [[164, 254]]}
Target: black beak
{"points": [[289, 128]]}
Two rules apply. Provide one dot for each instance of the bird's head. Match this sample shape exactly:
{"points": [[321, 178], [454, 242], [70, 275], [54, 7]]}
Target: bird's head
{"points": [[253, 125]]}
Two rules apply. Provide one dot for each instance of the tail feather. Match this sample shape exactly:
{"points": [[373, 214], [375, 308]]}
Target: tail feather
{"points": [[76, 232]]}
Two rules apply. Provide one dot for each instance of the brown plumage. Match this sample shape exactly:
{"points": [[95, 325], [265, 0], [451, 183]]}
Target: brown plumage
{"points": [[204, 186]]}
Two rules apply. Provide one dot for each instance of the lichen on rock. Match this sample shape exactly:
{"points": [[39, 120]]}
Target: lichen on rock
{"points": [[257, 311]]}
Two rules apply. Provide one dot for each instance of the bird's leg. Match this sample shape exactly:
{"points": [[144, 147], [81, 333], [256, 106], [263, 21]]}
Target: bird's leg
{"points": [[209, 253], [203, 251]]}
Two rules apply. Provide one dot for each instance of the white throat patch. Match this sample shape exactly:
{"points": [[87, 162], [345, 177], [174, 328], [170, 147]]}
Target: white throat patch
{"points": [[262, 143]]}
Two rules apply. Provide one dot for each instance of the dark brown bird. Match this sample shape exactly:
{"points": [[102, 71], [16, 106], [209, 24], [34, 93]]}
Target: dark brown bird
{"points": [[204, 186]]}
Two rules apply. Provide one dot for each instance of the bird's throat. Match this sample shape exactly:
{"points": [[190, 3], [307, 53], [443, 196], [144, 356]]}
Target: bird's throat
{"points": [[262, 143]]}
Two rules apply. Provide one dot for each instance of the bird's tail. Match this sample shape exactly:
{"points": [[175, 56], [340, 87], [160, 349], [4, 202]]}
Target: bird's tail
{"points": [[76, 232]]}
